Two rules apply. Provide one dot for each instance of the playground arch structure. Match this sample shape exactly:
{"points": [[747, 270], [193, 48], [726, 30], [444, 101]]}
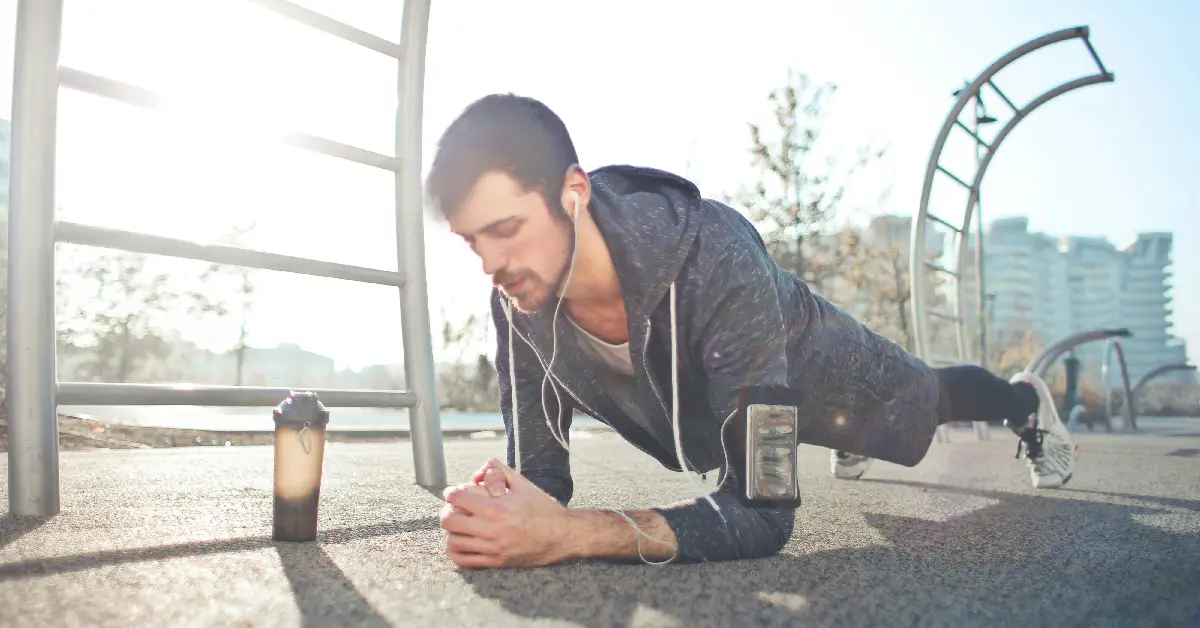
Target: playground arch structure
{"points": [[924, 300], [1134, 393], [34, 392], [1041, 363]]}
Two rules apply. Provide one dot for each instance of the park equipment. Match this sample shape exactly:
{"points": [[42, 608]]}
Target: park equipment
{"points": [[34, 392], [1042, 362], [927, 302]]}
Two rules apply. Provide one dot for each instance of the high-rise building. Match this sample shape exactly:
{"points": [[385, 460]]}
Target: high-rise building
{"points": [[1054, 287], [1145, 303], [1057, 287], [1027, 278]]}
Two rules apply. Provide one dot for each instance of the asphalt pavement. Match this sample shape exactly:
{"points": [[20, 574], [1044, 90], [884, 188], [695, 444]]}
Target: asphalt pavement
{"points": [[181, 537]]}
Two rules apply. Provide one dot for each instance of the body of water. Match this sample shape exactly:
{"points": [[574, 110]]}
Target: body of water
{"points": [[259, 419]]}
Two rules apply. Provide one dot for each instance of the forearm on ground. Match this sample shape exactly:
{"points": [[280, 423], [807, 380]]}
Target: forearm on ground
{"points": [[606, 534]]}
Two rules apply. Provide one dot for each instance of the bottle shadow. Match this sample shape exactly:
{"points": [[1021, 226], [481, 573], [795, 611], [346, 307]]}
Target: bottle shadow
{"points": [[323, 593], [1023, 560]]}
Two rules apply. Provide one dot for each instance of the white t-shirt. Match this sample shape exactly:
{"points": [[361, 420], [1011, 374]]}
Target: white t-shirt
{"points": [[613, 356], [620, 384]]}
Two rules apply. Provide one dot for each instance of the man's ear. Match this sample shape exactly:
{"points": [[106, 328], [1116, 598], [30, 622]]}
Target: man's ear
{"points": [[575, 181]]}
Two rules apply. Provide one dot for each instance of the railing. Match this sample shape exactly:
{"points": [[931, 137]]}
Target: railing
{"points": [[35, 393]]}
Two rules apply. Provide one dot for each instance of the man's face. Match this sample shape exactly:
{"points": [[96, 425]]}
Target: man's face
{"points": [[524, 245]]}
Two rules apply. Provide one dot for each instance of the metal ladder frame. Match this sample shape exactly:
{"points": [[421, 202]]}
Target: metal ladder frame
{"points": [[919, 262], [34, 391]]}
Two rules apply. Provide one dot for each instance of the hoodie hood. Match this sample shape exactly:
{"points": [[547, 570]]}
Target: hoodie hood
{"points": [[648, 219]]}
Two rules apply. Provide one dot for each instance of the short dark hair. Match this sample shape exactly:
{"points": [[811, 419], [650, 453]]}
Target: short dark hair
{"points": [[514, 135]]}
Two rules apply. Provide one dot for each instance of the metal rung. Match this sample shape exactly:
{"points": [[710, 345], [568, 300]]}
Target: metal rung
{"points": [[97, 394], [973, 134], [942, 269], [953, 176], [943, 222], [89, 235], [999, 93], [940, 313], [1095, 57], [328, 25], [96, 85]]}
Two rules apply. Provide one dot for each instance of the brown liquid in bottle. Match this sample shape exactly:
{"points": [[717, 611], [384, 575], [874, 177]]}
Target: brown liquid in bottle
{"points": [[299, 461]]}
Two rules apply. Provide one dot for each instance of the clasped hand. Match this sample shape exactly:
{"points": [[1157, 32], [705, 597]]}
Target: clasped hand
{"points": [[501, 519]]}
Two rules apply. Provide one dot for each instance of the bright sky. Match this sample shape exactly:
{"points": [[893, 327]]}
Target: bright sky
{"points": [[637, 82]]}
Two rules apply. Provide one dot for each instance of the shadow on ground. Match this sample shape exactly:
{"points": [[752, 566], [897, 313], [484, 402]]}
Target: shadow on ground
{"points": [[1024, 560], [323, 593], [13, 527]]}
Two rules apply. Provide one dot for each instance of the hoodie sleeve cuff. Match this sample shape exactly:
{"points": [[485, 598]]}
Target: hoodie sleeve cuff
{"points": [[736, 532]]}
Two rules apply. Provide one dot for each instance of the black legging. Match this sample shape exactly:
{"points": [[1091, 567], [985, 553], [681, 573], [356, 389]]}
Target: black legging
{"points": [[972, 393]]}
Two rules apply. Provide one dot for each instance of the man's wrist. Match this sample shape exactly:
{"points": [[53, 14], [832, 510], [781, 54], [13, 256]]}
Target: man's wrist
{"points": [[594, 533], [583, 525]]}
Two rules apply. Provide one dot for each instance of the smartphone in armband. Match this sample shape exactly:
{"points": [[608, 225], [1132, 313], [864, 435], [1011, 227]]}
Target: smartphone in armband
{"points": [[771, 452], [768, 427]]}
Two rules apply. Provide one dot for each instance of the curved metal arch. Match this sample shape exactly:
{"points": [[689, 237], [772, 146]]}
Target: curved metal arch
{"points": [[917, 263], [973, 197], [1166, 368], [1042, 361], [1114, 345]]}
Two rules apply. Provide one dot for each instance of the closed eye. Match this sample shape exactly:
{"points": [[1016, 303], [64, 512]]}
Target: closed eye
{"points": [[507, 228]]}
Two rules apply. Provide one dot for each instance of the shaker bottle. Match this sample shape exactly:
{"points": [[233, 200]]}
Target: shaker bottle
{"points": [[300, 422]]}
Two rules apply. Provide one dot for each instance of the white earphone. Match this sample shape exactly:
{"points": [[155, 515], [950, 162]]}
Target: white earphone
{"points": [[575, 196]]}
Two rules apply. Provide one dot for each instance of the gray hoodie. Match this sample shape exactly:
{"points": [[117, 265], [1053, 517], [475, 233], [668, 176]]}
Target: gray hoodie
{"points": [[740, 321]]}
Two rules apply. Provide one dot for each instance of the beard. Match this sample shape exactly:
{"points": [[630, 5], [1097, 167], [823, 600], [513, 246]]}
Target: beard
{"points": [[531, 302]]}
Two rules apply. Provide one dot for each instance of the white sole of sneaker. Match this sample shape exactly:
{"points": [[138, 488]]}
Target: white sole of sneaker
{"points": [[1047, 419]]}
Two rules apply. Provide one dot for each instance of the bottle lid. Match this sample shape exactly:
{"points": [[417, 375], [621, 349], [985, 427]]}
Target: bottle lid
{"points": [[300, 407]]}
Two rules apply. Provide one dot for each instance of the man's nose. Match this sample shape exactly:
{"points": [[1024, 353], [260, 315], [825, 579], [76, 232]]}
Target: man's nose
{"points": [[493, 260]]}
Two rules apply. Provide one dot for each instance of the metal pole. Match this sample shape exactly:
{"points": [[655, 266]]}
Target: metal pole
{"points": [[1130, 410], [428, 457], [979, 280], [33, 485], [1105, 384]]}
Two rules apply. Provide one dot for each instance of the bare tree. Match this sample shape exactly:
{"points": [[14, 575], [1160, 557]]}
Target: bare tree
{"points": [[1014, 350], [883, 269], [799, 190], [230, 280], [466, 384], [896, 295], [113, 311]]}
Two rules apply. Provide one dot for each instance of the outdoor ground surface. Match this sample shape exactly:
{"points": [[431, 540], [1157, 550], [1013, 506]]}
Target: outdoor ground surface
{"points": [[181, 537]]}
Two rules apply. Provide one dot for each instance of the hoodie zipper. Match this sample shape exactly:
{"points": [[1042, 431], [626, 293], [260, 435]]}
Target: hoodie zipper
{"points": [[579, 401], [595, 414]]}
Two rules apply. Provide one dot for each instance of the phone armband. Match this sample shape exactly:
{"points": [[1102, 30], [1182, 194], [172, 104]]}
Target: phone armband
{"points": [[764, 438]]}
